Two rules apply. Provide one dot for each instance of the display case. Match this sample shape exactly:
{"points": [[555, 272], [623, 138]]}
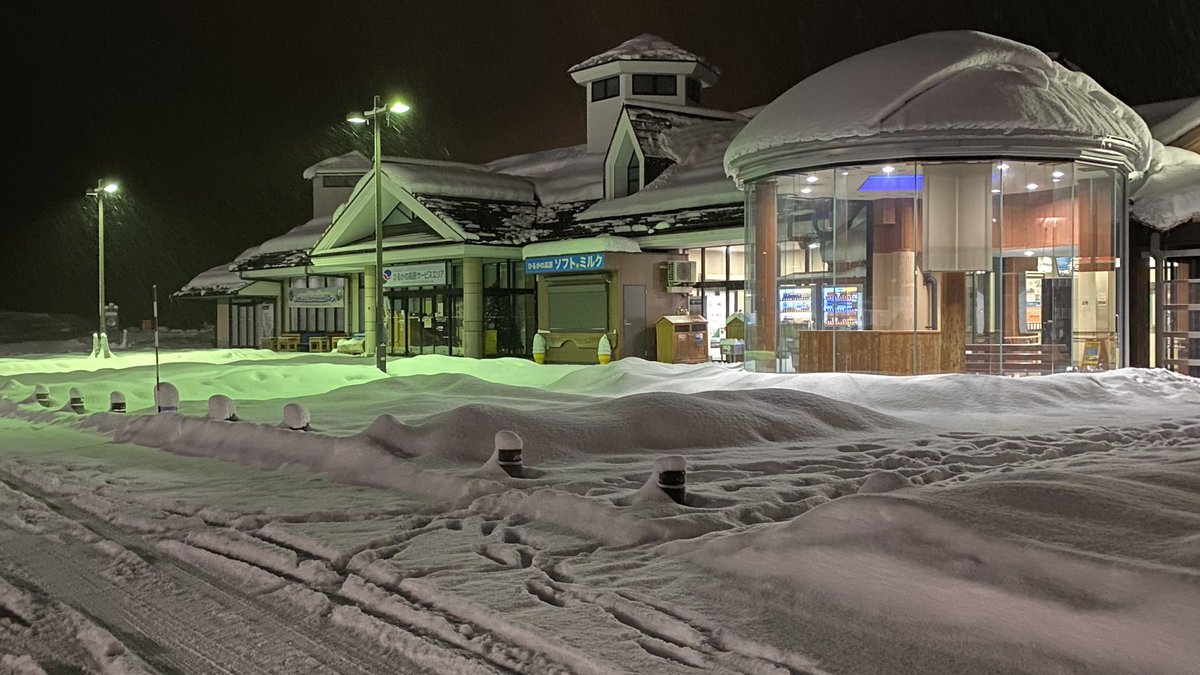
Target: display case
{"points": [[682, 338], [796, 305]]}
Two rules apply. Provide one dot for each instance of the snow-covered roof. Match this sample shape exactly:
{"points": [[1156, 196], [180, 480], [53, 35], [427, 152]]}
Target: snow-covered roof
{"points": [[454, 179], [350, 163], [215, 281], [935, 93], [1170, 195], [560, 175], [288, 249], [645, 47], [1170, 120]]}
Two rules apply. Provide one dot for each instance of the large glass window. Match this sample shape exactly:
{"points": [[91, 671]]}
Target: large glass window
{"points": [[992, 266]]}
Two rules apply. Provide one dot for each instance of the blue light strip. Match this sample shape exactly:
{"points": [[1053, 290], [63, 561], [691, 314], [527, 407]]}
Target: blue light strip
{"points": [[896, 182]]}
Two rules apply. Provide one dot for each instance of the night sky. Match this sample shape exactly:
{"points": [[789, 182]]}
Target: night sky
{"points": [[208, 112]]}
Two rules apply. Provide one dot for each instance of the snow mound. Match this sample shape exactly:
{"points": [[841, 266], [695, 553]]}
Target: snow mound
{"points": [[656, 421], [1171, 195]]}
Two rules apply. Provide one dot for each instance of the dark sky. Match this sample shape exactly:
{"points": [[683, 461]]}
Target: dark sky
{"points": [[208, 112]]}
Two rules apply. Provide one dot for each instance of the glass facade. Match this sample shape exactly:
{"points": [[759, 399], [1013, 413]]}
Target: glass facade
{"points": [[721, 289], [1001, 266]]}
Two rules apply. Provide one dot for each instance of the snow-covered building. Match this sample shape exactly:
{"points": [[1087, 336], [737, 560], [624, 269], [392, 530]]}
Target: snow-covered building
{"points": [[961, 207], [1164, 274]]}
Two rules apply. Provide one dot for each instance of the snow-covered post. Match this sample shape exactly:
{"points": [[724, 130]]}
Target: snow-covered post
{"points": [[105, 352], [672, 476], [166, 397], [604, 350], [508, 452], [539, 348], [42, 395], [116, 402], [124, 338], [76, 401], [95, 345], [296, 417], [221, 407]]}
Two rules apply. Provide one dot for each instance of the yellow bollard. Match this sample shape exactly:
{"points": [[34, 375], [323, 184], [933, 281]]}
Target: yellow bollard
{"points": [[539, 348], [604, 350]]}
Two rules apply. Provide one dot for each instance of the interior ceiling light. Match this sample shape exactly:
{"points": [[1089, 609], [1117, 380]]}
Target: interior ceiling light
{"points": [[845, 173], [806, 190], [995, 191], [814, 245], [1055, 180], [1057, 174], [889, 168], [811, 179], [1002, 166], [1031, 186], [1028, 254]]}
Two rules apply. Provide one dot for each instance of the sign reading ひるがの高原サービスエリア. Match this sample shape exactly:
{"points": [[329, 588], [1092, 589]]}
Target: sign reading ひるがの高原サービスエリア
{"points": [[421, 274], [580, 262], [325, 296]]}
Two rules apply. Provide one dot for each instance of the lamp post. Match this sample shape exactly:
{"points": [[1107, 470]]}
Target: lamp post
{"points": [[372, 117], [103, 189]]}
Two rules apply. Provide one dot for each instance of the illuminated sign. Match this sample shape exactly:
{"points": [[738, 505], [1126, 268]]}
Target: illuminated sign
{"points": [[580, 262], [423, 274]]}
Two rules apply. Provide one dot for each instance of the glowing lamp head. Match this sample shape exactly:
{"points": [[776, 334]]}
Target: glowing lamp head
{"points": [[356, 118], [111, 188], [398, 107]]}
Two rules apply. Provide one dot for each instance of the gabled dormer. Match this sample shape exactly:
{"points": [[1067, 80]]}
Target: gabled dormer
{"points": [[646, 68]]}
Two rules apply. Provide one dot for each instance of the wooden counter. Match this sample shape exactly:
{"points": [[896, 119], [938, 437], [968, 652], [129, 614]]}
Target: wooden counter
{"points": [[882, 352]]}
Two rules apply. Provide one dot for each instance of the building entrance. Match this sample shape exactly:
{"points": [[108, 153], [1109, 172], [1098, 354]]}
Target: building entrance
{"points": [[425, 322], [1178, 318]]}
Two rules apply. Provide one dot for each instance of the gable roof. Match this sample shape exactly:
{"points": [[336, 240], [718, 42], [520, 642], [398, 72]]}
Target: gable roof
{"points": [[645, 47]]}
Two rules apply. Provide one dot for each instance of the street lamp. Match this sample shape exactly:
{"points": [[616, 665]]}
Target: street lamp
{"points": [[103, 189], [372, 117]]}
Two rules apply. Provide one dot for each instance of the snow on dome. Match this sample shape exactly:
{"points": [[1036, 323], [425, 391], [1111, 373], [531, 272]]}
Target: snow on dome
{"points": [[645, 47], [952, 88], [1170, 195]]}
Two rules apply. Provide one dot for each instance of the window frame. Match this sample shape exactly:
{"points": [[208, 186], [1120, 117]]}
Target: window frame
{"points": [[604, 89], [657, 85]]}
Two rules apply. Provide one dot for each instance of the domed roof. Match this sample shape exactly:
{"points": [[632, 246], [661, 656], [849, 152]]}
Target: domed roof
{"points": [[645, 47], [952, 93]]}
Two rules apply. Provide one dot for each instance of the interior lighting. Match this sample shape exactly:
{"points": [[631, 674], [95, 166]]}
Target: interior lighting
{"points": [[995, 191], [845, 173], [1055, 180], [1031, 186], [805, 190], [815, 244], [889, 168], [1057, 174], [1002, 166], [1028, 254], [811, 179]]}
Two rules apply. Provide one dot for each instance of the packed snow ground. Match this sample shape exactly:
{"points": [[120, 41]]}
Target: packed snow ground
{"points": [[833, 524]]}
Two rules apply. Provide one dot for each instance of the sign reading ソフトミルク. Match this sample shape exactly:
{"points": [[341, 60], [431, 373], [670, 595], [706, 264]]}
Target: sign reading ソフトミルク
{"points": [[580, 262]]}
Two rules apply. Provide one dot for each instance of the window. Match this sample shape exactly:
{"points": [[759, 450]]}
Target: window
{"points": [[654, 85], [606, 88], [340, 181], [633, 175], [693, 90]]}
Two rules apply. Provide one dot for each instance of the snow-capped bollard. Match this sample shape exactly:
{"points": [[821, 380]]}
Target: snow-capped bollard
{"points": [[508, 452], [124, 338], [105, 352], [604, 350], [166, 397], [539, 348], [76, 402], [672, 477], [221, 407], [42, 395], [116, 402], [296, 418], [95, 345]]}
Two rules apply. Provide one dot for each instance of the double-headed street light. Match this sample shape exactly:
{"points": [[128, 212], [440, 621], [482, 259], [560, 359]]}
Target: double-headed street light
{"points": [[103, 189], [372, 117]]}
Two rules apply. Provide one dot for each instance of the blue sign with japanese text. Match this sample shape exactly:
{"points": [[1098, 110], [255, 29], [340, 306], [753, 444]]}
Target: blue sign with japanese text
{"points": [[579, 262]]}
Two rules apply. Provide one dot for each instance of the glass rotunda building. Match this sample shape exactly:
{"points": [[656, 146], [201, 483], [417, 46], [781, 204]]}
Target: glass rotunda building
{"points": [[955, 202]]}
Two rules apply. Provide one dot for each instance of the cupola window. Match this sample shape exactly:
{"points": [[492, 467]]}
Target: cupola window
{"points": [[654, 85], [609, 87]]}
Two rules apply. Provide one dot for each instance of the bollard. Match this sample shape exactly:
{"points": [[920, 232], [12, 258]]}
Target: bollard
{"points": [[604, 350], [220, 407], [76, 401], [166, 397], [296, 417], [42, 395], [116, 402], [508, 452], [539, 348], [95, 345], [105, 352], [672, 477]]}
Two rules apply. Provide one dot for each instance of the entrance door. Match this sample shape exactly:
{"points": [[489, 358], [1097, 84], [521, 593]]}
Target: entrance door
{"points": [[634, 339], [425, 322], [1178, 321]]}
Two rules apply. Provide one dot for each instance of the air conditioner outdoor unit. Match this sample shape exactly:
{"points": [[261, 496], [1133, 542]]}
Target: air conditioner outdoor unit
{"points": [[682, 272]]}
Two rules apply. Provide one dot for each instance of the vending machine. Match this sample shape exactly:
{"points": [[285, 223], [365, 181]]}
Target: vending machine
{"points": [[841, 307]]}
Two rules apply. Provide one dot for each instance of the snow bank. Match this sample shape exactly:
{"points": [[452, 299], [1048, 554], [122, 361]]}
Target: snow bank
{"points": [[1028, 606]]}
